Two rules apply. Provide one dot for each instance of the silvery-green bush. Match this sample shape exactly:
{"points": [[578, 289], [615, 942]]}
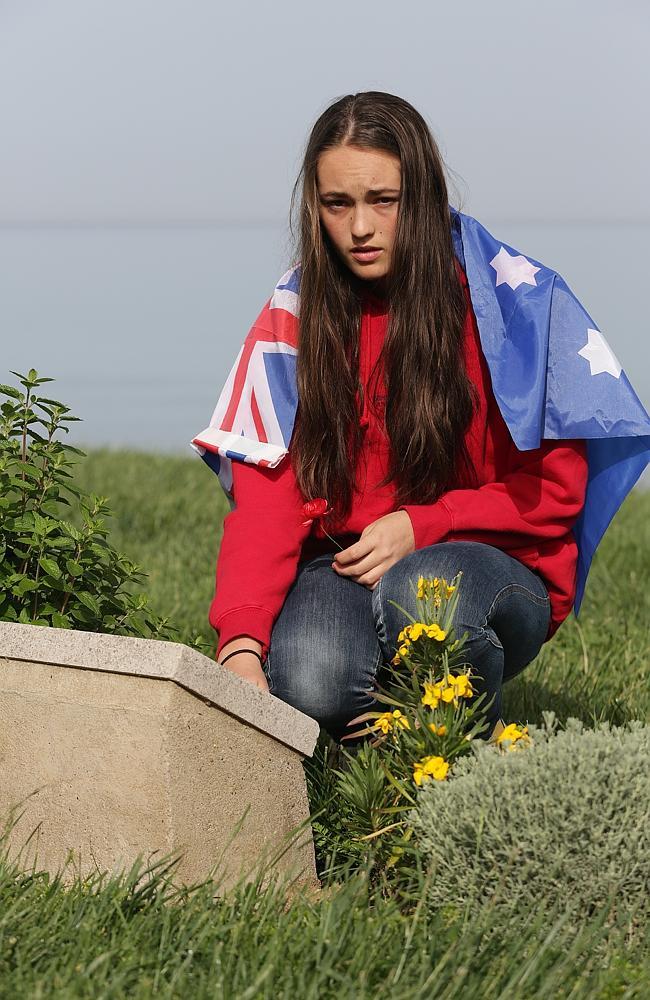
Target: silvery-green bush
{"points": [[562, 822]]}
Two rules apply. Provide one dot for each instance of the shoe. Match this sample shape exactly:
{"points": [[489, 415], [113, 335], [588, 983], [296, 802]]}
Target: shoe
{"points": [[498, 729]]}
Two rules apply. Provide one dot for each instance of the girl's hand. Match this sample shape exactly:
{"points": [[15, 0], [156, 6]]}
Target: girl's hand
{"points": [[247, 665], [382, 543]]}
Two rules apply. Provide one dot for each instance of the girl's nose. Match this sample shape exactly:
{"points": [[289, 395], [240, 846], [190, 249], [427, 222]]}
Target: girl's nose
{"points": [[361, 224]]}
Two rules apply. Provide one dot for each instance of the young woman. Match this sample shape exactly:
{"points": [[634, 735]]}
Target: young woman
{"points": [[398, 428]]}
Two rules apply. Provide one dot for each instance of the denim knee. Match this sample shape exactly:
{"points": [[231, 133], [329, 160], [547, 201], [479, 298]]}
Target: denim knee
{"points": [[324, 683], [445, 560]]}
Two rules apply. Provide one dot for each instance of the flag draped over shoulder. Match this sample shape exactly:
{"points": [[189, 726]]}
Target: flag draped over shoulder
{"points": [[553, 374], [254, 416]]}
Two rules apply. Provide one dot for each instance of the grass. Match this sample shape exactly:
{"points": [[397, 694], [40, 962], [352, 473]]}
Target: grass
{"points": [[139, 937], [169, 519], [122, 938]]}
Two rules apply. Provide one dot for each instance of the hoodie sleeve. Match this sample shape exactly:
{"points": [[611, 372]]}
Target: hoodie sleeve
{"points": [[259, 552], [539, 497]]}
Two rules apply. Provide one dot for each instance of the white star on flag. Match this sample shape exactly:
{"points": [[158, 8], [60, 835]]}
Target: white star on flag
{"points": [[599, 354], [514, 271]]}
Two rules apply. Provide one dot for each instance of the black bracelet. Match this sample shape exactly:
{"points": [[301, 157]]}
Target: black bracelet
{"points": [[259, 655]]}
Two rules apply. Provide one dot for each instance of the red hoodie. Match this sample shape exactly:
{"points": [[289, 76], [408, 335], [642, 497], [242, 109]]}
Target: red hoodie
{"points": [[525, 504]]}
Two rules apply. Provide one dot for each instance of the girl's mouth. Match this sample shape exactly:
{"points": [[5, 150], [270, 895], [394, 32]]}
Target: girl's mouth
{"points": [[365, 255]]}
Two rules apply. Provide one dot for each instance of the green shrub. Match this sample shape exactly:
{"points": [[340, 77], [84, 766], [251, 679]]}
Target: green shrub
{"points": [[51, 571], [565, 819]]}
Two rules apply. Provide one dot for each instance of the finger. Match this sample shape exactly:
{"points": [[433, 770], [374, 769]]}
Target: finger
{"points": [[372, 578], [358, 569], [355, 552]]}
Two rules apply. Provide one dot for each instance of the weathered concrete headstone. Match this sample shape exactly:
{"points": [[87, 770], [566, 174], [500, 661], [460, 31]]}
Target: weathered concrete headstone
{"points": [[118, 747]]}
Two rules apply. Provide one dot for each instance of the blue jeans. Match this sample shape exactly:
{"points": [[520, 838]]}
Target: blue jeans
{"points": [[334, 637]]}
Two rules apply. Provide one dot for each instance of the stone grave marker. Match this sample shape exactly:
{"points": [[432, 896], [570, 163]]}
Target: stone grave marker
{"points": [[115, 747]]}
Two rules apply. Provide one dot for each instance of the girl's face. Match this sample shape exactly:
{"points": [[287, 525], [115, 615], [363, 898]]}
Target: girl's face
{"points": [[358, 192]]}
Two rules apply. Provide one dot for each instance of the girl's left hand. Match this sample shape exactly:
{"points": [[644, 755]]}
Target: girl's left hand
{"points": [[382, 543]]}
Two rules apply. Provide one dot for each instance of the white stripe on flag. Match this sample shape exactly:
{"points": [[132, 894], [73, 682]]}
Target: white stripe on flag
{"points": [[226, 393], [223, 441]]}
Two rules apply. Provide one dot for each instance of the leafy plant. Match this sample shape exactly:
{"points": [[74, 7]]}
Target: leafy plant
{"points": [[53, 572], [429, 724]]}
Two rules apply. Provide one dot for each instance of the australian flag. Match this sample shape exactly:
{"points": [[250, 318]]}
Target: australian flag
{"points": [[553, 374]]}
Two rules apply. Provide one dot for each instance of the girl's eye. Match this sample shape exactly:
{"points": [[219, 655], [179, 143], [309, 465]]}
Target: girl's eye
{"points": [[335, 204]]}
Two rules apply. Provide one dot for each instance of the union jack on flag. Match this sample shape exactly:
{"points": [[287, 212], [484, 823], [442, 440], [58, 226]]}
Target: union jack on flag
{"points": [[553, 374], [254, 416]]}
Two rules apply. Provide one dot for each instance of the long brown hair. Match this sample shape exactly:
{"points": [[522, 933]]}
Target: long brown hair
{"points": [[429, 401]]}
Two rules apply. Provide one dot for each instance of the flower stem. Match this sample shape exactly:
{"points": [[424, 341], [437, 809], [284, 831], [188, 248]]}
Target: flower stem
{"points": [[332, 539]]}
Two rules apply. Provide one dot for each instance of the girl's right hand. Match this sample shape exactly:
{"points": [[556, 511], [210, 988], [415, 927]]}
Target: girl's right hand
{"points": [[248, 666]]}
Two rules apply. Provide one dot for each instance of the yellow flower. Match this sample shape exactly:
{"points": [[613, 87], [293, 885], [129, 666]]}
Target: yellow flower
{"points": [[384, 722], [403, 650], [432, 694], [448, 690], [437, 767], [411, 633], [462, 685], [418, 774], [508, 733], [435, 587], [511, 735], [388, 721], [400, 720], [429, 587], [437, 730], [430, 767]]}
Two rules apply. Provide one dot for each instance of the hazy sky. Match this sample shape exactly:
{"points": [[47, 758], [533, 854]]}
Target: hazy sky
{"points": [[152, 111]]}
